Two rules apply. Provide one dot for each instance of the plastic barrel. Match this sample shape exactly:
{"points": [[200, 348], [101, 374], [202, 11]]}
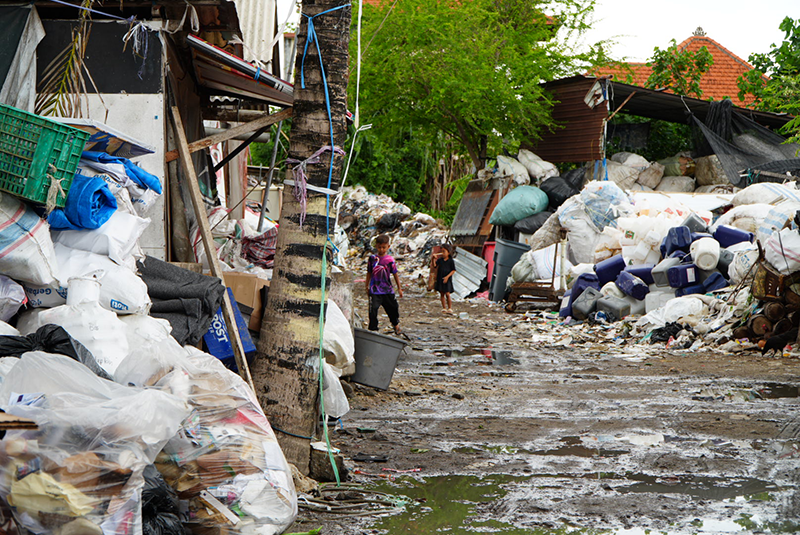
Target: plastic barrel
{"points": [[376, 358], [508, 252]]}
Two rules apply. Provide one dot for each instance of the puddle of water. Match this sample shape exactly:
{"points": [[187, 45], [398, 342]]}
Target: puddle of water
{"points": [[708, 488], [446, 504], [777, 390], [495, 357]]}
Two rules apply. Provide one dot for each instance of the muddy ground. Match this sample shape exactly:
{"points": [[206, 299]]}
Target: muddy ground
{"points": [[490, 427]]}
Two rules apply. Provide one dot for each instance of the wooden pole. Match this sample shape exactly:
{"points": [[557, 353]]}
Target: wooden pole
{"points": [[231, 133], [208, 244]]}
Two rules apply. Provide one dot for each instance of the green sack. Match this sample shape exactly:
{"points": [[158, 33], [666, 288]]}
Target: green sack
{"points": [[518, 204]]}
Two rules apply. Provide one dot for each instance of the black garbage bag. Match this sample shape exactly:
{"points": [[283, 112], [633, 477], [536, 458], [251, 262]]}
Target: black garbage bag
{"points": [[159, 506], [51, 339], [186, 299], [532, 223], [575, 178], [390, 221], [558, 190], [663, 334]]}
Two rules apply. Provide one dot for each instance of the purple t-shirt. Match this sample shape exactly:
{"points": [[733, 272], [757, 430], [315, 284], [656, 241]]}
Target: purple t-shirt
{"points": [[382, 268]]}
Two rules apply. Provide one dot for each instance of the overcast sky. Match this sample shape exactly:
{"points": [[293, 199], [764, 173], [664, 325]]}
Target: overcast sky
{"points": [[742, 26]]}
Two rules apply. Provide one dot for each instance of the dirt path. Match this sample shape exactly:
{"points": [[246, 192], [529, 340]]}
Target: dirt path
{"points": [[508, 433]]}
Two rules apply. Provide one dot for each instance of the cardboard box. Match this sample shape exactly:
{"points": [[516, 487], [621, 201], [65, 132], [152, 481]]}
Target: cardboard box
{"points": [[246, 288]]}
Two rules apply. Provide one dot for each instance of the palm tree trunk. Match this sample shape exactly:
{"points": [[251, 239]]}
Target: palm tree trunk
{"points": [[286, 384]]}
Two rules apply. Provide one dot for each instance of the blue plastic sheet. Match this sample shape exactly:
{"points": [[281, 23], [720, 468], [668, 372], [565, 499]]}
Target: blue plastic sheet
{"points": [[135, 173], [89, 204]]}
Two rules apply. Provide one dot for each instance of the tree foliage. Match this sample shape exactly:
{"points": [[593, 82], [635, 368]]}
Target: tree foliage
{"points": [[780, 92], [679, 70], [468, 70]]}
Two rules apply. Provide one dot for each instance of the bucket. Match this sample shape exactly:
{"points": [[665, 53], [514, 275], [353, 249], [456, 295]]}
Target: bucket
{"points": [[376, 357]]}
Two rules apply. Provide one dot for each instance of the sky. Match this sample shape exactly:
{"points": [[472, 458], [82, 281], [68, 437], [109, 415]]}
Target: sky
{"points": [[741, 26]]}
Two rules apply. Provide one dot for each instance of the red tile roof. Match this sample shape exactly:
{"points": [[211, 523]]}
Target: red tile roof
{"points": [[719, 82]]}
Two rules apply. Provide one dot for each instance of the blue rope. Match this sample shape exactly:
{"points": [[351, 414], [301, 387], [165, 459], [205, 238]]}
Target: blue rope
{"points": [[129, 19], [258, 73]]}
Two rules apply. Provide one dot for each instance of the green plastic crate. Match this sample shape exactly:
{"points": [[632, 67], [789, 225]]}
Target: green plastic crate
{"points": [[33, 149]]}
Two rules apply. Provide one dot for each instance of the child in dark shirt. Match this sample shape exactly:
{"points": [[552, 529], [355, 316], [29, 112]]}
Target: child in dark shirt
{"points": [[445, 269], [380, 269]]}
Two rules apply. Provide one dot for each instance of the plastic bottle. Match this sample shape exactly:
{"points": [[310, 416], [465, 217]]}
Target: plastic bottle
{"points": [[608, 269], [641, 252], [705, 253], [585, 280], [637, 307], [725, 259], [677, 238], [727, 236], [614, 306], [660, 271], [653, 239], [682, 275], [700, 235], [632, 285], [715, 282], [695, 223], [643, 271], [585, 304], [611, 288], [691, 289], [653, 257]]}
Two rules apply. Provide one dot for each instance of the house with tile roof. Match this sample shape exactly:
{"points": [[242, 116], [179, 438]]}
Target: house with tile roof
{"points": [[718, 83]]}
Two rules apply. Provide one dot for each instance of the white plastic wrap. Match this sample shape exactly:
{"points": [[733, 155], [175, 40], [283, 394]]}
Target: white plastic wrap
{"points": [[12, 297], [121, 290], [26, 249], [84, 319], [766, 193], [117, 238], [507, 166], [226, 458], [537, 168], [336, 404], [782, 250], [81, 471], [338, 341]]}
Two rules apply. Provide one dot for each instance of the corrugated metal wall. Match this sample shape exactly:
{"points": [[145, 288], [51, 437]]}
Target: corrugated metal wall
{"points": [[580, 139], [257, 20]]}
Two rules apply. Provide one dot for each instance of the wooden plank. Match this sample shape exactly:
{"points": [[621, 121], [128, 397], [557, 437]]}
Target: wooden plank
{"points": [[231, 133], [208, 245]]}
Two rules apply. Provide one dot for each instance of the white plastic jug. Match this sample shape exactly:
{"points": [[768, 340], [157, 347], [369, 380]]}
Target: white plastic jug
{"points": [[705, 253]]}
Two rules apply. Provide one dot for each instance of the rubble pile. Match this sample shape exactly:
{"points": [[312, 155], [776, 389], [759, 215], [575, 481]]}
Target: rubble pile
{"points": [[364, 215]]}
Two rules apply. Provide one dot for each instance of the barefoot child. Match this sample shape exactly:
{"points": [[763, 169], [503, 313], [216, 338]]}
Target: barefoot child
{"points": [[380, 267], [445, 269]]}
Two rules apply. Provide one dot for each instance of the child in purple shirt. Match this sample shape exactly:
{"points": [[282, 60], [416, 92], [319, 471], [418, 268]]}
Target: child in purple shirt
{"points": [[380, 269]]}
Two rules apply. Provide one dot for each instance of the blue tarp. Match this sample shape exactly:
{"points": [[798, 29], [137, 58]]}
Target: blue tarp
{"points": [[90, 203], [134, 172]]}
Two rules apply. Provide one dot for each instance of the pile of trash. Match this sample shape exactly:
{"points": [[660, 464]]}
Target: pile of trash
{"points": [[133, 429], [711, 272], [364, 215]]}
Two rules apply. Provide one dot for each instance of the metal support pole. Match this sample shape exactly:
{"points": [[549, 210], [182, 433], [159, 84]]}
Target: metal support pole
{"points": [[265, 196]]}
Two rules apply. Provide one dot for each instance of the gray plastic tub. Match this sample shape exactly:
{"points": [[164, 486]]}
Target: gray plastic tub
{"points": [[376, 358]]}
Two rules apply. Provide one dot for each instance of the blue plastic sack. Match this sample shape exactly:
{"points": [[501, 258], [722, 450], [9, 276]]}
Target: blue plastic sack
{"points": [[518, 204], [89, 204]]}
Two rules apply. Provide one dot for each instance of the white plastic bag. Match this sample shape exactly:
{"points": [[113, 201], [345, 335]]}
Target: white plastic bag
{"points": [[26, 249], [81, 471], [117, 238], [12, 297], [336, 404], [651, 177], [782, 250], [121, 290], [766, 193], [747, 217], [338, 341], [745, 255], [631, 160], [508, 166], [676, 184], [84, 319], [227, 449], [538, 169]]}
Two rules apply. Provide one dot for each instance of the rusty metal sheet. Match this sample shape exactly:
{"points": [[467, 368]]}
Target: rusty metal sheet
{"points": [[470, 213]]}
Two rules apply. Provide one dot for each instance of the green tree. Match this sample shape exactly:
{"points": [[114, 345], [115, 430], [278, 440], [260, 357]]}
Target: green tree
{"points": [[679, 70], [775, 78], [468, 70]]}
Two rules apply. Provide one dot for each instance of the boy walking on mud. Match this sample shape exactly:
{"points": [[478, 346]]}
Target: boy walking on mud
{"points": [[380, 268]]}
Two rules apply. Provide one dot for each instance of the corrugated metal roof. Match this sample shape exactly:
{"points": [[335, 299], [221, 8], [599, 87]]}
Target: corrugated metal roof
{"points": [[257, 20], [470, 272]]}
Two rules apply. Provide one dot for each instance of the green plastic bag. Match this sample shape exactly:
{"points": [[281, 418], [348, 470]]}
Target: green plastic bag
{"points": [[518, 204]]}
